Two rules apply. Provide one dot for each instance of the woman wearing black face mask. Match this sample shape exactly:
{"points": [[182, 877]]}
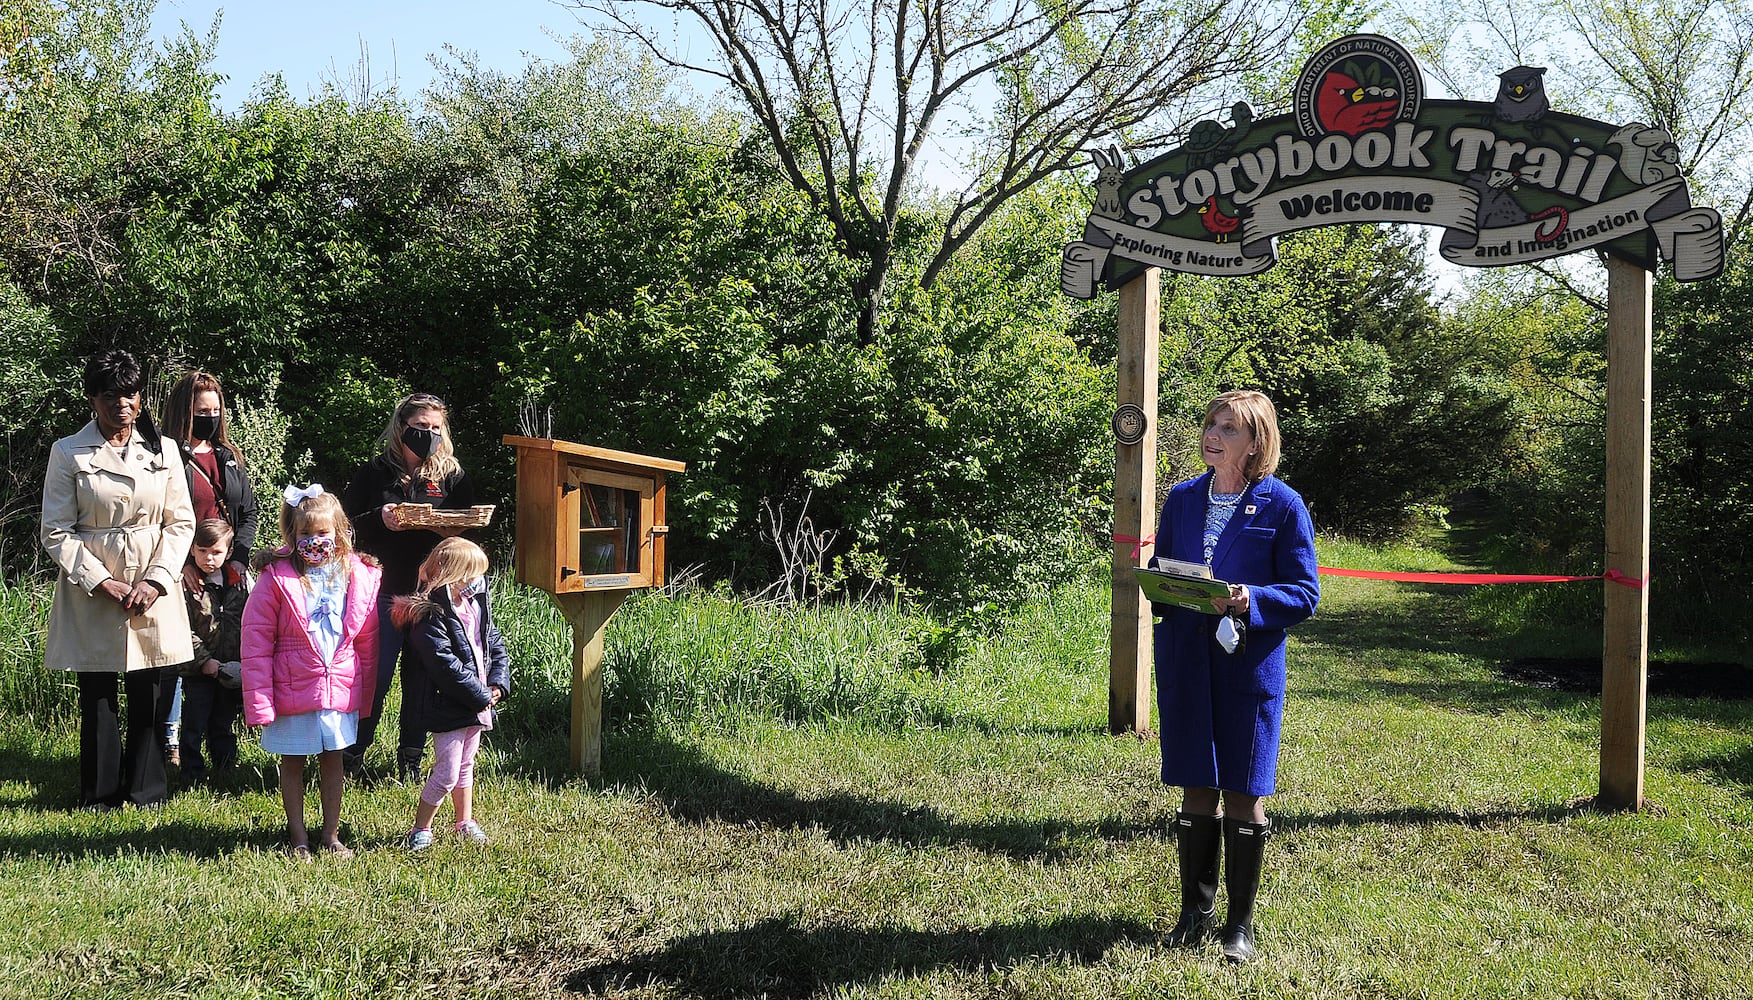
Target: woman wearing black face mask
{"points": [[194, 417], [417, 465]]}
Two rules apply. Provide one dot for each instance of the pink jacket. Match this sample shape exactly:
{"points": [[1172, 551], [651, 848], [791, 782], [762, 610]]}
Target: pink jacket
{"points": [[283, 674]]}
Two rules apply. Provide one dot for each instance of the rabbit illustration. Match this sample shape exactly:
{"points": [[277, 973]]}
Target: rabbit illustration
{"points": [[1108, 173]]}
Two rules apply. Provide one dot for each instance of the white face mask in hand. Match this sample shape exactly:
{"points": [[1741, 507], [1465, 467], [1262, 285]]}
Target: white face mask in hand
{"points": [[1227, 635]]}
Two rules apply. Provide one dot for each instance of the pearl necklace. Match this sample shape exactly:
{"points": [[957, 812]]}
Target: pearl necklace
{"points": [[1211, 493]]}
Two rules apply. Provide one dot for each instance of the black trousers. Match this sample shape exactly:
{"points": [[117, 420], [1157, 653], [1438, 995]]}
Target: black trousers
{"points": [[111, 772]]}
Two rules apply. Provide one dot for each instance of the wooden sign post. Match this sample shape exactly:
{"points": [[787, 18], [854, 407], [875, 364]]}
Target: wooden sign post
{"points": [[590, 529], [1625, 639], [1129, 638]]}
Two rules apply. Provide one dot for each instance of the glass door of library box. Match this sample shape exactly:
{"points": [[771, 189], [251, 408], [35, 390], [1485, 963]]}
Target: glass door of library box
{"points": [[612, 543]]}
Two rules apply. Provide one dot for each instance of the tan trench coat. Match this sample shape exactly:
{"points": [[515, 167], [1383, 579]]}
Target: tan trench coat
{"points": [[131, 520]]}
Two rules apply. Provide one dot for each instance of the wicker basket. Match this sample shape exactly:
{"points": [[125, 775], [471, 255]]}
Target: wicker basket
{"points": [[424, 515]]}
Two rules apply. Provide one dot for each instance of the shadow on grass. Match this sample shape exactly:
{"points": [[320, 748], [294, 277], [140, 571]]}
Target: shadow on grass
{"points": [[1428, 619], [132, 832], [694, 789], [1552, 812], [779, 959], [1729, 768], [1469, 696]]}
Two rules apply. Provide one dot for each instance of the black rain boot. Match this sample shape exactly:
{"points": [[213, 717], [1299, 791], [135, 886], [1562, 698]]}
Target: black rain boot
{"points": [[1197, 839], [1244, 847]]}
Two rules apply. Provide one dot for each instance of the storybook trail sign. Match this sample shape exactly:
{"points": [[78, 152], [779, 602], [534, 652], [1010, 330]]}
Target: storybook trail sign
{"points": [[1510, 181]]}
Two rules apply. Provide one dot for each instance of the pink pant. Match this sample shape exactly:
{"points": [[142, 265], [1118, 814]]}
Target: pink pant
{"points": [[453, 763]]}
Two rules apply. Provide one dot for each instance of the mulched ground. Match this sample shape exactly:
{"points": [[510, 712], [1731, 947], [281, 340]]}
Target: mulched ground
{"points": [[1726, 681]]}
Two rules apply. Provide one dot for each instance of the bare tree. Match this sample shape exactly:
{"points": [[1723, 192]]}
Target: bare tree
{"points": [[1686, 65], [850, 93]]}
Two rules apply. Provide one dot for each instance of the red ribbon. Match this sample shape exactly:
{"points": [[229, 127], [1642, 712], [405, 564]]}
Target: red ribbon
{"points": [[1611, 576], [1149, 539]]}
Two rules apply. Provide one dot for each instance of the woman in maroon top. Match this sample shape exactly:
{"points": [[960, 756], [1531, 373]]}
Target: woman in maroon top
{"points": [[194, 417]]}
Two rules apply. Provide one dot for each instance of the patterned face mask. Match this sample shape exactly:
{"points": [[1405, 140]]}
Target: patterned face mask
{"points": [[469, 588], [316, 549]]}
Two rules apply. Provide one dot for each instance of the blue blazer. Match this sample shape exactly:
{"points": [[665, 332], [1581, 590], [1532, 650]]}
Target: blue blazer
{"points": [[1220, 713]]}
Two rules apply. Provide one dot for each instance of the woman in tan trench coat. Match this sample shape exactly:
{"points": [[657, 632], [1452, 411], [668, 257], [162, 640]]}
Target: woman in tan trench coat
{"points": [[117, 523]]}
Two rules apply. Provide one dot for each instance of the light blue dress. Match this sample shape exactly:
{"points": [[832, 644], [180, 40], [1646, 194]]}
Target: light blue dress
{"points": [[325, 729]]}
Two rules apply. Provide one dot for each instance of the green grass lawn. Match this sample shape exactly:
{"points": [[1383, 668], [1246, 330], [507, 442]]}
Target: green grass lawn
{"points": [[823, 803]]}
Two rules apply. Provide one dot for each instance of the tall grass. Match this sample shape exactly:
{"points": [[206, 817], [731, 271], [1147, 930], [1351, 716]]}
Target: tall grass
{"points": [[697, 657], [26, 688]]}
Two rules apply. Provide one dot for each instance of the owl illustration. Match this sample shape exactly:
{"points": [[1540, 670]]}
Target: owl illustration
{"points": [[1521, 95]]}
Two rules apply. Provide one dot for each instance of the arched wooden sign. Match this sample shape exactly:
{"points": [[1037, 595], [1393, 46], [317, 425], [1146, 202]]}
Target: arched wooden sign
{"points": [[1512, 182]]}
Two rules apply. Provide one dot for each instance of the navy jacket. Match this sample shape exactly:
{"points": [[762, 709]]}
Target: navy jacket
{"points": [[447, 688]]}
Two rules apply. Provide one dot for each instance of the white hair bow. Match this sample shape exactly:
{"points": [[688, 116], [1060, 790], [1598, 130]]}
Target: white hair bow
{"points": [[295, 496]]}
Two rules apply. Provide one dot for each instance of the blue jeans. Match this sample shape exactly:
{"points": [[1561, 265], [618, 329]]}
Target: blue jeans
{"points": [[170, 706], [410, 737], [210, 714]]}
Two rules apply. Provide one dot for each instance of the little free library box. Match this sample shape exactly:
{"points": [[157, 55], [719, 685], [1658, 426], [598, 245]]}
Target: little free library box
{"points": [[590, 529]]}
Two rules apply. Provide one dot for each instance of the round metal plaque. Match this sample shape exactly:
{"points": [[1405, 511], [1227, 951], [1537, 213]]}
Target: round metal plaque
{"points": [[1130, 424]]}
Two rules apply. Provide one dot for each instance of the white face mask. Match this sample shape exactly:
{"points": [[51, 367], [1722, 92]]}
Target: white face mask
{"points": [[1227, 636], [469, 588]]}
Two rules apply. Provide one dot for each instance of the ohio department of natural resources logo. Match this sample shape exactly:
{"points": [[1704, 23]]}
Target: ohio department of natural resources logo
{"points": [[1358, 84]]}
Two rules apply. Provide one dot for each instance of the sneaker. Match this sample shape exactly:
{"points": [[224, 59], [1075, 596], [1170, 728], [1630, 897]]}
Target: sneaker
{"points": [[409, 772], [419, 840], [471, 831], [173, 755]]}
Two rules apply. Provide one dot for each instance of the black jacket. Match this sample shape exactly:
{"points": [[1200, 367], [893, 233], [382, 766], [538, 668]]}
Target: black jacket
{"points": [[240, 498], [447, 686], [380, 481]]}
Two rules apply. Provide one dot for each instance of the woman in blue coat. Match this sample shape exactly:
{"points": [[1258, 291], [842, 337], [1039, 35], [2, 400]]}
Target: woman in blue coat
{"points": [[1220, 678]]}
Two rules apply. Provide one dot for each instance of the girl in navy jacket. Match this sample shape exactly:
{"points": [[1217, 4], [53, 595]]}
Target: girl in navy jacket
{"points": [[464, 673]]}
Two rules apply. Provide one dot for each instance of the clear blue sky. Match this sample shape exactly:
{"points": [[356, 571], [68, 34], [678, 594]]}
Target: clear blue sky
{"points": [[311, 42]]}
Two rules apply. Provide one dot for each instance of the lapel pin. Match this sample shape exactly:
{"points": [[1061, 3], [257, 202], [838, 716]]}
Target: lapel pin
{"points": [[1249, 509]]}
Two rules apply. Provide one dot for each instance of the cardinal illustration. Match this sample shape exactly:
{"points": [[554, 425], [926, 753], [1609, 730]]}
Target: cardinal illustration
{"points": [[1342, 104], [1215, 222]]}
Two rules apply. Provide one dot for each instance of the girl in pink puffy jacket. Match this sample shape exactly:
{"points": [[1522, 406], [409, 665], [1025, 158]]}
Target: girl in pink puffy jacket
{"points": [[310, 655]]}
